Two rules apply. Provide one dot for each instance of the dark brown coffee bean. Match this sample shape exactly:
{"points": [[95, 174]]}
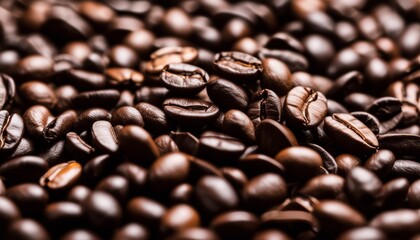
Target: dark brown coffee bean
{"points": [[344, 61], [140, 40], [369, 120], [295, 61], [37, 93], [63, 215], [13, 170], [131, 231], [381, 163], [186, 142], [12, 129], [413, 195], [80, 234], [166, 144], [61, 176], [102, 210], [219, 148], [345, 84], [58, 127], [36, 118], [168, 171], [115, 185], [77, 147], [85, 79], [78, 194], [178, 218], [124, 77], [194, 234], [276, 76], [265, 104], [215, 195], [340, 215], [64, 95], [358, 101], [30, 198], [34, 67], [226, 94], [88, 117], [190, 112], [350, 133], [135, 175], [154, 118], [320, 49], [234, 176], [26, 229], [106, 98], [182, 193], [394, 193], [305, 108], [292, 221], [145, 211], [136, 141], [272, 137], [103, 137], [388, 111], [183, 78], [238, 124], [167, 55], [401, 144], [8, 212], [264, 191], [238, 67], [327, 186], [390, 223], [405, 168], [7, 91], [328, 161], [408, 40], [235, 224], [255, 164], [363, 233]]}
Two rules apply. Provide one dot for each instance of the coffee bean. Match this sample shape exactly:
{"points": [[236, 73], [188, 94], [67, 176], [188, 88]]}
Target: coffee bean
{"points": [[166, 144], [145, 211], [390, 223], [103, 137], [37, 93], [256, 164], [264, 191], [8, 212], [33, 166], [124, 77], [265, 104], [305, 108], [369, 120], [34, 67], [78, 194], [381, 163], [272, 137], [345, 84], [363, 233], [292, 221], [405, 168], [237, 124], [400, 144], [340, 215], [85, 79], [215, 195], [36, 118], [276, 76], [7, 91], [80, 234], [134, 140], [106, 98], [195, 233], [168, 171], [167, 55], [183, 78], [63, 215], [61, 176], [115, 185], [271, 234], [226, 94], [190, 111], [238, 67], [102, 210], [295, 61], [30, 198], [58, 127], [12, 129], [186, 142], [413, 194], [394, 193], [131, 231], [328, 186], [64, 94], [154, 118], [350, 133], [135, 175], [182, 193], [86, 119], [388, 111], [178, 218], [26, 229], [78, 147], [234, 224], [218, 147], [328, 161]]}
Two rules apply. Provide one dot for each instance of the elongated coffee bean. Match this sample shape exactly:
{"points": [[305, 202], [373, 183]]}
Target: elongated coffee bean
{"points": [[11, 130], [190, 111], [63, 175], [104, 137], [184, 78], [346, 130], [237, 66]]}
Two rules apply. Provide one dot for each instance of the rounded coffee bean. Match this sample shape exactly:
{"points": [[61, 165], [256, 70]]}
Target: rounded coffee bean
{"points": [[381, 163], [77, 147], [105, 98], [103, 137], [276, 76], [154, 118], [87, 118], [238, 124], [23, 169], [237, 66], [326, 186], [235, 224], [272, 137], [413, 196], [58, 127], [30, 198], [182, 193], [178, 218], [194, 234], [166, 144], [37, 93], [264, 191], [131, 231], [401, 223], [78, 194], [363, 233], [61, 176], [36, 118], [63, 215], [226, 94], [7, 90], [12, 129], [164, 56], [127, 116], [218, 147], [190, 112], [168, 171], [265, 104], [115, 185], [299, 162], [34, 67], [305, 108], [80, 234], [294, 220], [102, 210], [271, 235], [27, 229], [183, 78], [215, 195], [9, 212], [124, 77], [255, 164], [145, 211]]}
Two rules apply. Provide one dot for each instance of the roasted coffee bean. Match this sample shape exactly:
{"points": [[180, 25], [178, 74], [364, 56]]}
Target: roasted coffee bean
{"points": [[190, 112], [295, 61], [145, 211], [154, 118], [182, 193], [264, 191], [195, 234], [55, 153], [135, 142], [131, 231], [350, 133], [164, 56], [30, 198], [11, 130], [265, 104], [405, 168], [363, 233], [219, 148], [135, 175], [186, 142], [115, 185], [103, 137], [413, 195], [226, 94], [178, 218], [394, 193], [345, 84], [78, 194], [77, 147], [380, 163], [124, 77], [292, 221], [340, 215], [101, 98], [152, 95], [305, 108], [8, 212], [233, 224], [299, 162], [234, 176], [255, 164], [390, 223], [168, 171], [369, 120], [276, 76], [58, 127], [238, 67], [328, 161], [80, 234], [183, 78], [272, 137], [215, 195], [37, 93], [388, 111], [401, 144], [7, 91], [61, 176], [86, 119], [238, 124], [34, 67], [33, 166], [327, 186], [85, 80], [63, 215], [346, 162], [36, 118], [358, 101], [166, 144], [102, 210], [271, 234], [64, 94], [26, 229]]}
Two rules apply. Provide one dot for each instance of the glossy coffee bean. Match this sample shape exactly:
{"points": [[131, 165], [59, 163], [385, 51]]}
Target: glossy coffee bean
{"points": [[131, 231], [381, 163], [12, 170], [58, 127], [190, 111], [155, 119], [106, 98], [238, 124], [256, 164], [61, 176], [80, 234], [271, 234], [194, 234], [88, 117], [115, 185], [78, 147], [238, 67], [183, 78], [363, 233], [276, 76], [7, 91], [127, 116], [9, 212], [233, 224], [37, 93], [405, 227], [226, 94], [167, 55], [102, 210], [265, 104], [272, 137], [35, 119], [12, 128], [219, 147], [327, 186], [64, 215], [179, 217], [26, 229], [145, 211], [30, 198], [124, 77], [103, 137]]}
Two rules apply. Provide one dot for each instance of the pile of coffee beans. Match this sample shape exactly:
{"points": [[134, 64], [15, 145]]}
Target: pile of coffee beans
{"points": [[209, 119]]}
